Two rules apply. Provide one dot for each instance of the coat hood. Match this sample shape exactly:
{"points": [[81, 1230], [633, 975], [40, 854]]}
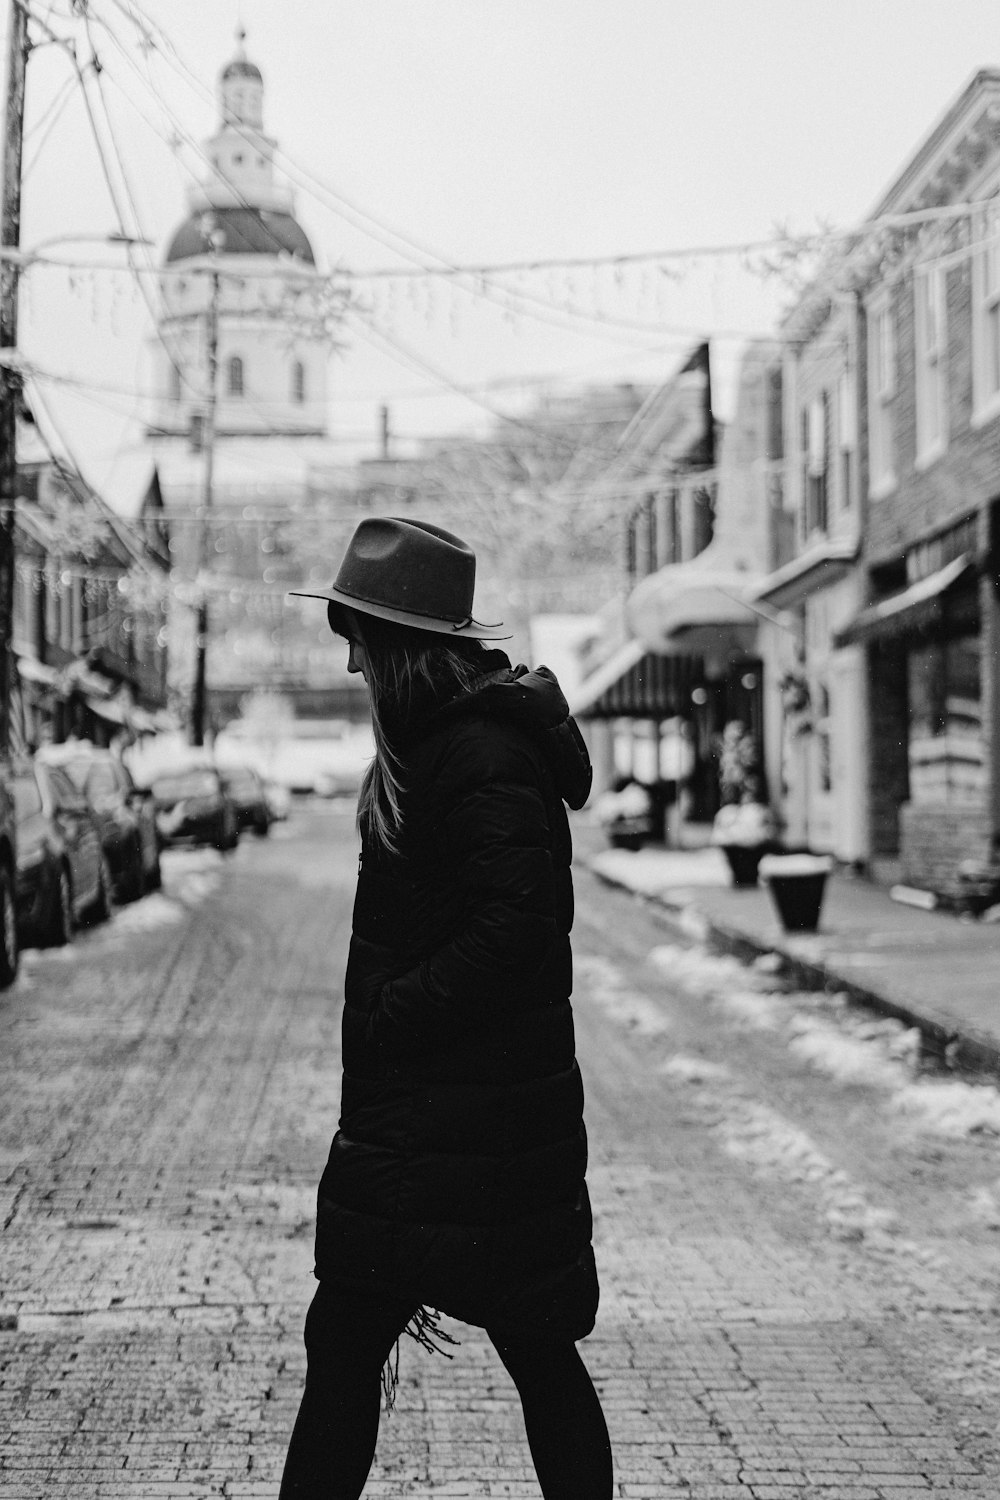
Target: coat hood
{"points": [[534, 701]]}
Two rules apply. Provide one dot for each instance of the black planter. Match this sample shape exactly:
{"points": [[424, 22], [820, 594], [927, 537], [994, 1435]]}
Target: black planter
{"points": [[744, 861], [797, 893]]}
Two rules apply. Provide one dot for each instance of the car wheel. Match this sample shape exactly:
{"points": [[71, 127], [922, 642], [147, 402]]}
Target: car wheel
{"points": [[59, 928], [9, 948]]}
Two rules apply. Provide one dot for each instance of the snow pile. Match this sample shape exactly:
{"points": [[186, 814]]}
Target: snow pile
{"points": [[951, 1106], [745, 996], [771, 1144], [848, 1059], [191, 875], [688, 1069], [152, 912], [650, 872], [985, 1205], [852, 1047], [606, 987]]}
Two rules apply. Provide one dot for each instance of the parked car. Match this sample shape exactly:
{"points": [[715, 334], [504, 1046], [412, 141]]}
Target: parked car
{"points": [[248, 794], [9, 944], [193, 807], [62, 873], [125, 814]]}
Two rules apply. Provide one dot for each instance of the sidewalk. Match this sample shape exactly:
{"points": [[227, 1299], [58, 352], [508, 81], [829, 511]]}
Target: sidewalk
{"points": [[931, 970]]}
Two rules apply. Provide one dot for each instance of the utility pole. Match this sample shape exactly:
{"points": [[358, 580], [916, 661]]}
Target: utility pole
{"points": [[216, 239], [10, 381]]}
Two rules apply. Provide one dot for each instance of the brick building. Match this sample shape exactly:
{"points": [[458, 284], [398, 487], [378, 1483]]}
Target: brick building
{"points": [[931, 630], [700, 536], [89, 610], [891, 664], [815, 702]]}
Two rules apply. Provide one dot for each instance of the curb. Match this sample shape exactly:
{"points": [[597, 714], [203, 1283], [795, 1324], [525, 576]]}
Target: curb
{"points": [[942, 1045]]}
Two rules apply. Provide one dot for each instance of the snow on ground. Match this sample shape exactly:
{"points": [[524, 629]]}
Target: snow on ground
{"points": [[189, 877], [651, 871], [606, 987], [846, 1044]]}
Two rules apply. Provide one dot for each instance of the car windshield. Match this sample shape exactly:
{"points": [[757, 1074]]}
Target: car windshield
{"points": [[193, 783]]}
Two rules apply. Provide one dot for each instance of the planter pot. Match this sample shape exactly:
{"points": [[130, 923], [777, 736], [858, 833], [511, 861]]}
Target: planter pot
{"points": [[744, 861], [796, 883]]}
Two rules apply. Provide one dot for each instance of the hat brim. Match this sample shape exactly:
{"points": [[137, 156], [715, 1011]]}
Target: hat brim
{"points": [[470, 630]]}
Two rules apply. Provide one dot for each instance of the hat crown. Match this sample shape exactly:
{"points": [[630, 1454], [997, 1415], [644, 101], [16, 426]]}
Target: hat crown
{"points": [[410, 566]]}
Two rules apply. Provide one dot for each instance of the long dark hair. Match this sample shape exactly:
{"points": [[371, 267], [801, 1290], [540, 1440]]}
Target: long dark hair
{"points": [[407, 669]]}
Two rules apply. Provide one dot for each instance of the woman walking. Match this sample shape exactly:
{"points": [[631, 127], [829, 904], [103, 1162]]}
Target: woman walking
{"points": [[455, 1181]]}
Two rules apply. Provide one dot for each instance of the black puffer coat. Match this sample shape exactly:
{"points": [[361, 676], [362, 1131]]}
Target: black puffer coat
{"points": [[456, 1178]]}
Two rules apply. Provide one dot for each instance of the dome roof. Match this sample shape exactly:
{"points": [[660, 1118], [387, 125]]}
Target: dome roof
{"points": [[241, 68], [246, 231]]}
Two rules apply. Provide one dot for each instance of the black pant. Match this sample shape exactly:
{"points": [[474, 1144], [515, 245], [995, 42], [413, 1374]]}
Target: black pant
{"points": [[348, 1339]]}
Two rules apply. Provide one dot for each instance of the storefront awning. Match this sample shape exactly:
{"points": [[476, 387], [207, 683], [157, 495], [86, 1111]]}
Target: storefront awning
{"points": [[818, 567], [637, 684], [915, 609], [605, 676], [694, 609]]}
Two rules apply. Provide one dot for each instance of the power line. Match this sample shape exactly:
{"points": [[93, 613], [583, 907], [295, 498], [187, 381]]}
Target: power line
{"points": [[473, 281]]}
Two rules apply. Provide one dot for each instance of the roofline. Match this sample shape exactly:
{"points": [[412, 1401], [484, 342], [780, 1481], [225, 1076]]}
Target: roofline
{"points": [[983, 82]]}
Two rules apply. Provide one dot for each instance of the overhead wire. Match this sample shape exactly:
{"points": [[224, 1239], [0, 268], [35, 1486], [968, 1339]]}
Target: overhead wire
{"points": [[475, 281]]}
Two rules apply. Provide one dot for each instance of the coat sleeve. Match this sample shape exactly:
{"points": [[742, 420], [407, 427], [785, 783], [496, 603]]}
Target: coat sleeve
{"points": [[496, 837]]}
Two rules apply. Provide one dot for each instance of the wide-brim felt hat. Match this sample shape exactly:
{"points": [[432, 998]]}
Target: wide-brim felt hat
{"points": [[411, 573]]}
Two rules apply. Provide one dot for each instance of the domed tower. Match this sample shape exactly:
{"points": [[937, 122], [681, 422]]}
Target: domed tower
{"points": [[271, 356]]}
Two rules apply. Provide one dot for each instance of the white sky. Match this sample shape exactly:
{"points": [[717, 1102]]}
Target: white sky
{"points": [[490, 130]]}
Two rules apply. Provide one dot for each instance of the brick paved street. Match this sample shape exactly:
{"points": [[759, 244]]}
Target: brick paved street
{"points": [[799, 1277]]}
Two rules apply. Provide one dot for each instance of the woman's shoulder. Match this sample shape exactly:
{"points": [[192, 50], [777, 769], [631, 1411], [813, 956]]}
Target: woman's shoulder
{"points": [[478, 747]]}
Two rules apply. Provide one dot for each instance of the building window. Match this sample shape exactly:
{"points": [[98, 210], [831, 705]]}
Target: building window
{"points": [[804, 469], [817, 433], [675, 549], [946, 746], [930, 350], [822, 730], [235, 376], [847, 436], [881, 396], [298, 382], [986, 319]]}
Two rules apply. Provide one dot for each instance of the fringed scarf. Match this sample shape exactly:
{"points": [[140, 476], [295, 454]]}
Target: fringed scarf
{"points": [[423, 1327]]}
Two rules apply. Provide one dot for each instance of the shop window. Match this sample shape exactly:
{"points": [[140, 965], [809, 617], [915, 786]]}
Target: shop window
{"points": [[946, 748], [930, 350], [821, 727], [881, 395], [986, 318], [674, 546], [847, 429], [235, 376], [804, 468], [817, 433], [703, 516]]}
